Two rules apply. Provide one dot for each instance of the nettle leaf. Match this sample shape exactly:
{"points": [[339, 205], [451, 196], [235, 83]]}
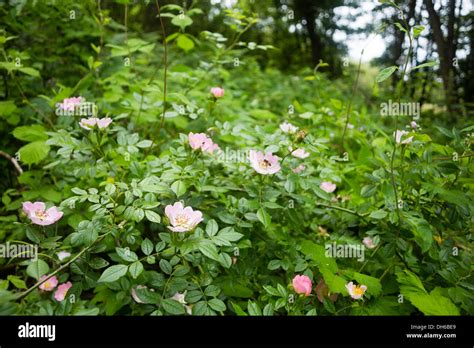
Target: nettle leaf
{"points": [[113, 273], [432, 303], [385, 73]]}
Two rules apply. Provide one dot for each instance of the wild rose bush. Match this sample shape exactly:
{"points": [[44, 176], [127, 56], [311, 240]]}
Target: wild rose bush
{"points": [[222, 194]]}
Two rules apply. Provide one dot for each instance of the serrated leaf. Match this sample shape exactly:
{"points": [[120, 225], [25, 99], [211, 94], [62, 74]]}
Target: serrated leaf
{"points": [[135, 269], [152, 216], [113, 273]]}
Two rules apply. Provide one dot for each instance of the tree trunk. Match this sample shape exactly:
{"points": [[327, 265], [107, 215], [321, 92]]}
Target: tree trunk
{"points": [[445, 48]]}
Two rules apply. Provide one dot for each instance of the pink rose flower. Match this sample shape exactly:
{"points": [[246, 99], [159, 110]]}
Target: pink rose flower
{"points": [[182, 219], [61, 293], [88, 123], [38, 214], [368, 242], [299, 169], [356, 291], [91, 122], [69, 104], [327, 186], [398, 137], [302, 285], [264, 163], [217, 92], [300, 153], [209, 146], [203, 142], [287, 127], [103, 122], [50, 284], [62, 255]]}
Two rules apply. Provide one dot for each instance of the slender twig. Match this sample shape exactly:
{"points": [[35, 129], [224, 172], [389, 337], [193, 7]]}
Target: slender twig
{"points": [[392, 159], [165, 62], [13, 160], [26, 292], [341, 209]]}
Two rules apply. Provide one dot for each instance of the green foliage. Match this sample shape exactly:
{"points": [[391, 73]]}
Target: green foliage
{"points": [[114, 184]]}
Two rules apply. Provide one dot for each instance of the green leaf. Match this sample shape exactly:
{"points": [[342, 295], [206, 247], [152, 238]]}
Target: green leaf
{"points": [[166, 266], [135, 269], [225, 260], [37, 269], [430, 304], [264, 217], [334, 282], [212, 228], [229, 234], [373, 284], [17, 282], [254, 309], [217, 305], [179, 188], [209, 250], [30, 133], [425, 65], [147, 246], [113, 273], [152, 216], [185, 43], [385, 73], [318, 254], [182, 21], [172, 307], [33, 152], [30, 71], [126, 254], [421, 230], [378, 214], [417, 30]]}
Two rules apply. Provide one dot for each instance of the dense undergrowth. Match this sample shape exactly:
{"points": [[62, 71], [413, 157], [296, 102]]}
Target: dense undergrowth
{"points": [[264, 220]]}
